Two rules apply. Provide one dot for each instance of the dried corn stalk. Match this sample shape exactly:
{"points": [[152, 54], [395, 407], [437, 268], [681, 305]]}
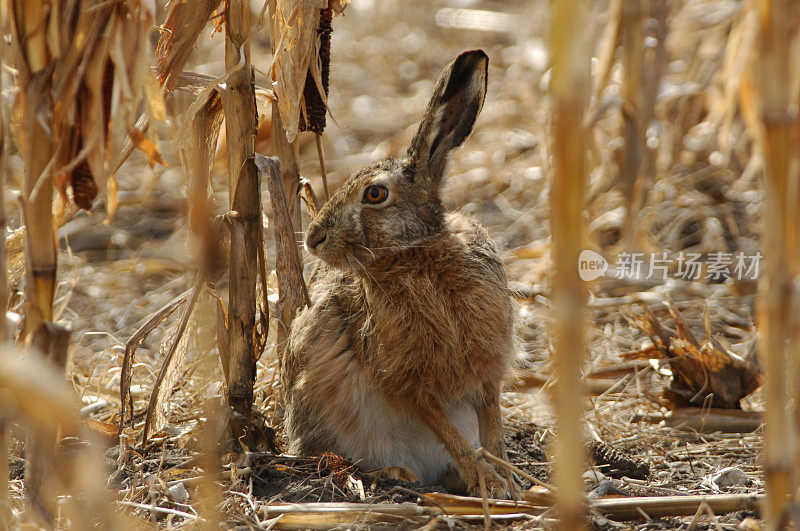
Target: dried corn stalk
{"points": [[569, 87], [198, 155], [239, 105], [632, 58], [32, 58], [34, 393], [82, 67], [4, 291], [775, 78], [301, 57], [97, 56], [631, 23]]}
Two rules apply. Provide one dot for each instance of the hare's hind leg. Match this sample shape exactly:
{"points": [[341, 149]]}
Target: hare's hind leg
{"points": [[490, 423], [463, 453]]}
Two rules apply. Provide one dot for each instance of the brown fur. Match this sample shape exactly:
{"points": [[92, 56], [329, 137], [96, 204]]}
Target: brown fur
{"points": [[411, 325]]}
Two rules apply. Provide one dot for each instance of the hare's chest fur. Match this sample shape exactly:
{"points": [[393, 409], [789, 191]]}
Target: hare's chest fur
{"points": [[438, 320], [380, 435]]}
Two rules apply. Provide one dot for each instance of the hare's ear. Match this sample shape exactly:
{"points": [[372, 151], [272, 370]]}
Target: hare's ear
{"points": [[451, 113]]}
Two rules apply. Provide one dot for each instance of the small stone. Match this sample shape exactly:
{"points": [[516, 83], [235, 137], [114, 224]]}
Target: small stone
{"points": [[178, 493], [727, 477]]}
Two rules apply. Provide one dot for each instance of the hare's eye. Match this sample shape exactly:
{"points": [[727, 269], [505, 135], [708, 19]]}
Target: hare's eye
{"points": [[375, 194]]}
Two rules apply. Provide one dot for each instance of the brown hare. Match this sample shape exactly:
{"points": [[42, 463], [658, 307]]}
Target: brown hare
{"points": [[400, 359]]}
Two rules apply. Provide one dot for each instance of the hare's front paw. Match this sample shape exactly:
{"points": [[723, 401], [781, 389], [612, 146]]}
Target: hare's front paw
{"points": [[496, 486]]}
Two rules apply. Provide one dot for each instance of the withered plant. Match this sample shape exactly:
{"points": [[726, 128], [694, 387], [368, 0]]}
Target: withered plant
{"points": [[772, 93], [569, 90]]}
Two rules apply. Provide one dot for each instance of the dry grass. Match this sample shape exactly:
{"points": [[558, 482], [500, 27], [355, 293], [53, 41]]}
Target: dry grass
{"points": [[705, 196]]}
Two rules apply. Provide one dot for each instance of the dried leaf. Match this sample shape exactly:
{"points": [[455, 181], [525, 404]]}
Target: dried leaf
{"points": [[98, 53], [338, 5], [159, 403], [155, 97], [95, 108], [293, 26], [532, 251], [131, 55], [146, 146], [309, 198], [130, 351], [184, 23]]}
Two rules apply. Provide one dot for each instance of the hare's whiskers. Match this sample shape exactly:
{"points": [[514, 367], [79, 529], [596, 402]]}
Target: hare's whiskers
{"points": [[326, 302], [357, 261], [367, 249], [412, 245]]}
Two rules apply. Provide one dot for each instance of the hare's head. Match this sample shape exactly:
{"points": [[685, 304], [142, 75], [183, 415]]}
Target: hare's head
{"points": [[395, 204]]}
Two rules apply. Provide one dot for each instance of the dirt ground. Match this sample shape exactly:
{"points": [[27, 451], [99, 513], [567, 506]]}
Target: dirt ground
{"points": [[386, 57]]}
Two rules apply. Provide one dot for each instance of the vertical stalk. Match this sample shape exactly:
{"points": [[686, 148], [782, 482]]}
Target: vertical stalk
{"points": [[569, 89], [778, 302], [199, 156], [239, 104], [290, 172], [642, 68], [37, 205], [5, 426], [778, 298], [211, 493], [28, 22], [4, 296], [36, 147], [5, 440], [654, 62], [198, 151], [632, 52], [45, 470]]}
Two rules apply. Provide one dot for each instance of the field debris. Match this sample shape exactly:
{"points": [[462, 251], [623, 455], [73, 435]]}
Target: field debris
{"points": [[700, 375]]}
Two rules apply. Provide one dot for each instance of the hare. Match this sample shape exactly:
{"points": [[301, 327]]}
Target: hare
{"points": [[400, 358]]}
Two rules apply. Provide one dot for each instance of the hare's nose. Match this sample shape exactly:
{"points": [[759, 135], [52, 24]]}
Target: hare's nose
{"points": [[316, 235]]}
